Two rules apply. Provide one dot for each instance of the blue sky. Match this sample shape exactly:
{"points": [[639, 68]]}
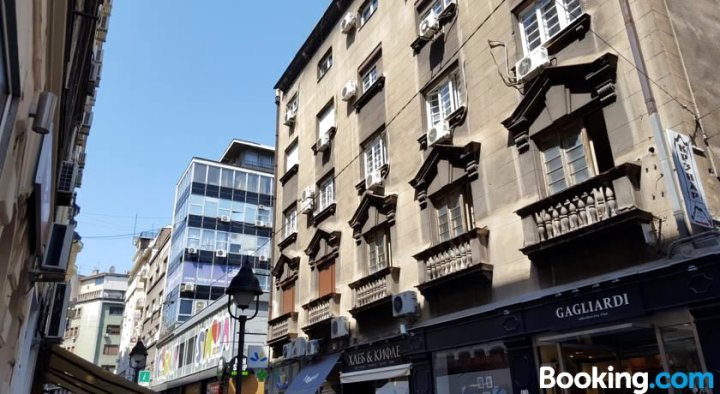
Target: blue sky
{"points": [[180, 78]]}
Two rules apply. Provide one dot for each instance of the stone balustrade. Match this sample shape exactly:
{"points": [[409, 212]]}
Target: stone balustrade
{"points": [[322, 308], [375, 287], [454, 255], [282, 327]]}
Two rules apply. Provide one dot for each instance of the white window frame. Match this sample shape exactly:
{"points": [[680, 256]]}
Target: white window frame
{"points": [[450, 213], [290, 219], [437, 7], [325, 64], [326, 120], [378, 256], [292, 105], [569, 177], [445, 106], [565, 12], [326, 194], [375, 154], [291, 156], [367, 10], [370, 77]]}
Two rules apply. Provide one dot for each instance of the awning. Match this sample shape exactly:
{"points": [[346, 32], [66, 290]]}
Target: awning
{"points": [[309, 379], [394, 371], [80, 376]]}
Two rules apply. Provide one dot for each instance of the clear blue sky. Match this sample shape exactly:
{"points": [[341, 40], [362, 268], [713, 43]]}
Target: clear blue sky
{"points": [[180, 78]]}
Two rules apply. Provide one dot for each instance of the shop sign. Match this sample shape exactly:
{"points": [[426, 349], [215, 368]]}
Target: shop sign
{"points": [[689, 179], [373, 357]]}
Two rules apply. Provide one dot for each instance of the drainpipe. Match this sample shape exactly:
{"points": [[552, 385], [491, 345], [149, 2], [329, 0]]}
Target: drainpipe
{"points": [[654, 119], [274, 197]]}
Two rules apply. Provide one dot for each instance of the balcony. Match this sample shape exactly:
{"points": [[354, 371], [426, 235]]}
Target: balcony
{"points": [[458, 261], [374, 292], [282, 328], [319, 311], [603, 204]]}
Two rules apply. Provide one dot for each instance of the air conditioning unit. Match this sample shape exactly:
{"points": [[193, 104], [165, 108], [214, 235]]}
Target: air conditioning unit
{"points": [[339, 327], [349, 90], [373, 178], [225, 218], [313, 347], [438, 133], [191, 251], [260, 223], [348, 22], [290, 115], [221, 253], [156, 307], [404, 304], [66, 177], [199, 306], [287, 350], [307, 200], [56, 314], [58, 248], [299, 346], [531, 65], [187, 287], [86, 122], [429, 26], [323, 142]]}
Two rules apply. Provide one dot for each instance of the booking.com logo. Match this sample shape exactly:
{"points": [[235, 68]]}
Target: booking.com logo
{"points": [[639, 382]]}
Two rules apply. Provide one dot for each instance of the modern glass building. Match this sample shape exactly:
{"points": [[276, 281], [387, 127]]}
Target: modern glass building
{"points": [[222, 220]]}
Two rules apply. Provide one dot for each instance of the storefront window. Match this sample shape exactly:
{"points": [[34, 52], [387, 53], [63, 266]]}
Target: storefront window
{"points": [[681, 350], [473, 370]]}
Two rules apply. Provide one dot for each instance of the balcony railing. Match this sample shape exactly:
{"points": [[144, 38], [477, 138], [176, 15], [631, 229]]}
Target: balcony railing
{"points": [[375, 287], [282, 327], [587, 205], [322, 308]]}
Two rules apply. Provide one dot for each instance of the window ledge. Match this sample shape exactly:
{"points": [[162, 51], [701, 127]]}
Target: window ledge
{"points": [[331, 134], [361, 188], [319, 216], [478, 232], [289, 174], [445, 17], [287, 241], [369, 93], [457, 117], [574, 31]]}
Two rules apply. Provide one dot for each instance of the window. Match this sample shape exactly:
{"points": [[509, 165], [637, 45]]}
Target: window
{"points": [[290, 222], [450, 216], [99, 281], [377, 252], [226, 179], [193, 238], [325, 63], [479, 368], [437, 7], [186, 307], [443, 100], [326, 120], [111, 350], [266, 185], [112, 330], [292, 105], [291, 156], [565, 160], [369, 78], [213, 176], [326, 280], [544, 19], [253, 182], [190, 350], [367, 10], [375, 154], [118, 310], [263, 215], [288, 299], [326, 194], [200, 173], [181, 352]]}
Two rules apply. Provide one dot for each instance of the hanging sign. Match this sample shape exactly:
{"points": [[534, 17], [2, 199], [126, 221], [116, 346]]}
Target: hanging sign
{"points": [[689, 179]]}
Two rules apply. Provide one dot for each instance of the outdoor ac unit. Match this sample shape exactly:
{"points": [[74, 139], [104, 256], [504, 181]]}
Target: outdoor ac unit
{"points": [[323, 142], [290, 115], [531, 65], [221, 253], [260, 223], [58, 248], [429, 26], [225, 218], [66, 177], [339, 327], [299, 347], [348, 22], [438, 133], [373, 178], [287, 350], [187, 287], [199, 306], [404, 304], [307, 200], [191, 251], [55, 319], [156, 307], [313, 347], [349, 90], [86, 122]]}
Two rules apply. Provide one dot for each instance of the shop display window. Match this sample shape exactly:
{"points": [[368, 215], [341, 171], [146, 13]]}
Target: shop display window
{"points": [[480, 369]]}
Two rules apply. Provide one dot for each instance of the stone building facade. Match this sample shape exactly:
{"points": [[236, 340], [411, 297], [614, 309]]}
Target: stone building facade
{"points": [[454, 175]]}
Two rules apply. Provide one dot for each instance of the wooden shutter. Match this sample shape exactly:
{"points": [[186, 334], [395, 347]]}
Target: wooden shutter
{"points": [[327, 280], [288, 299]]}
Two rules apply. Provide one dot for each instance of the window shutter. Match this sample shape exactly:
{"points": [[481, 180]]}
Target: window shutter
{"points": [[288, 299], [327, 280]]}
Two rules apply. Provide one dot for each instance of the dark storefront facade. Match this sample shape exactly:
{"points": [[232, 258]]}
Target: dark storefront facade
{"points": [[650, 318]]}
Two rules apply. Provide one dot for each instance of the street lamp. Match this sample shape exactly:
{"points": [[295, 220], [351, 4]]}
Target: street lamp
{"points": [[138, 359], [243, 288]]}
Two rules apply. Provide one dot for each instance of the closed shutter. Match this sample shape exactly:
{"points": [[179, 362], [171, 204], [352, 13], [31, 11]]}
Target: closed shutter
{"points": [[288, 299], [327, 280]]}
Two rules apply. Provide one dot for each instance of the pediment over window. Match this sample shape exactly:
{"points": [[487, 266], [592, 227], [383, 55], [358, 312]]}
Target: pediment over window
{"points": [[374, 211], [285, 269], [446, 165], [560, 93], [324, 246]]}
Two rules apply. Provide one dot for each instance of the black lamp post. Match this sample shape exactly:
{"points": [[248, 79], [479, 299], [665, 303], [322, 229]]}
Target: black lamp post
{"points": [[244, 287], [138, 359]]}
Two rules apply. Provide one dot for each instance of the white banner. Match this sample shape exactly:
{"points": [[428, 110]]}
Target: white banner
{"points": [[689, 179]]}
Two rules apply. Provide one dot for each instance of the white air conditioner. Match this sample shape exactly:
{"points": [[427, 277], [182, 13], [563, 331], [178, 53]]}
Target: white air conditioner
{"points": [[66, 177], [186, 287], [58, 248], [287, 350], [290, 115], [221, 253], [349, 90], [308, 193], [373, 178], [307, 200], [429, 26], [438, 133], [225, 218], [531, 65], [199, 306], [192, 251], [260, 223], [56, 314], [348, 22], [313, 347], [156, 307], [299, 346], [404, 304], [323, 142], [339, 327]]}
